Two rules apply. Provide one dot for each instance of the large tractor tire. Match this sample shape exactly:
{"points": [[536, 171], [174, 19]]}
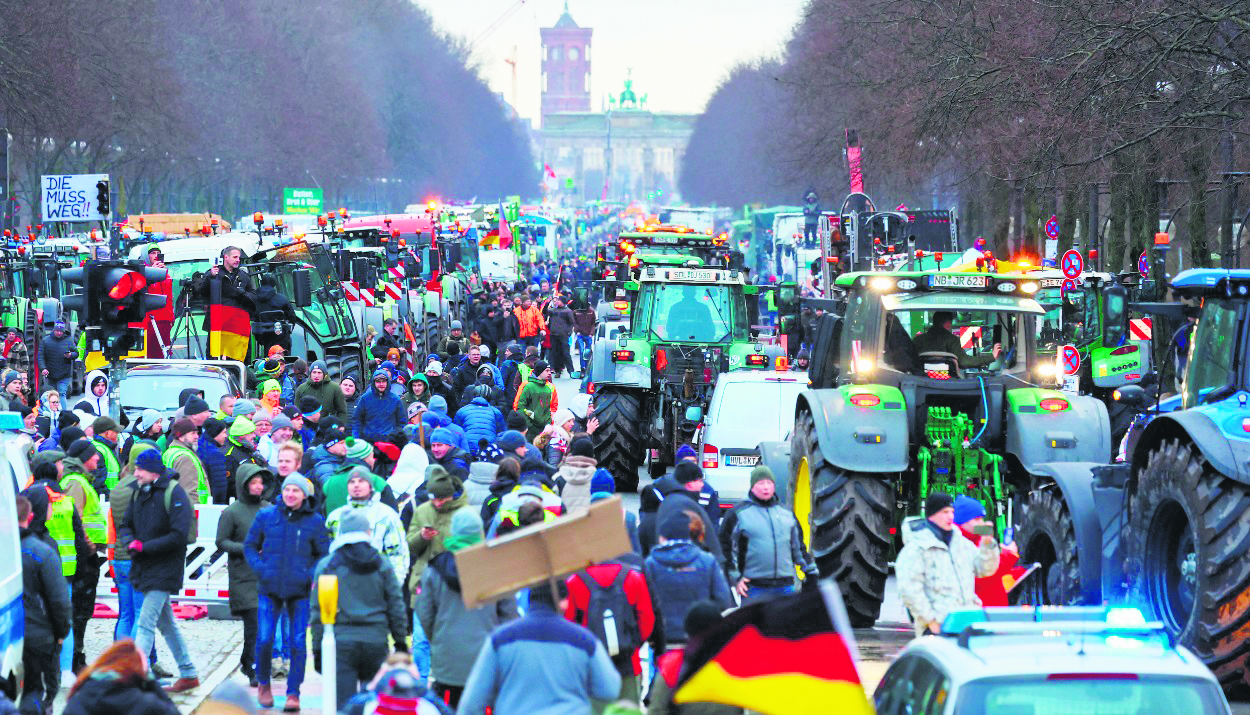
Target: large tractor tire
{"points": [[342, 364], [618, 441], [1047, 535], [846, 518], [1187, 559]]}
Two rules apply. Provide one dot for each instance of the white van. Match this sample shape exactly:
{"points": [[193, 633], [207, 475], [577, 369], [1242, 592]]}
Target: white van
{"points": [[14, 473]]}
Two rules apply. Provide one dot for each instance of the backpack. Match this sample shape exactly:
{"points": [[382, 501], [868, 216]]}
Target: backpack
{"points": [[194, 532], [610, 615]]}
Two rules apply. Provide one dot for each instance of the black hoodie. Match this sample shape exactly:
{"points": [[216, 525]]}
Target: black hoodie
{"points": [[370, 602]]}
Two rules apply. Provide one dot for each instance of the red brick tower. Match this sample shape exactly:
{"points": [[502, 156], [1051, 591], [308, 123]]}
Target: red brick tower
{"points": [[566, 66]]}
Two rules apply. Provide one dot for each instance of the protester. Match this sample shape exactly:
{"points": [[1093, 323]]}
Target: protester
{"points": [[537, 399], [681, 573], [573, 477], [45, 600], [387, 534], [105, 430], [76, 484], [56, 356], [763, 543], [431, 522], [232, 528], [350, 385], [677, 491], [240, 449], [213, 437], [379, 412], [992, 589], [283, 546], [329, 393], [480, 420], [182, 457], [118, 682], [446, 454], [937, 567], [701, 617], [370, 605]]}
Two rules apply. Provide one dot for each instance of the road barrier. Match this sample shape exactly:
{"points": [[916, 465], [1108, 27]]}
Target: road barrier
{"points": [[204, 579]]}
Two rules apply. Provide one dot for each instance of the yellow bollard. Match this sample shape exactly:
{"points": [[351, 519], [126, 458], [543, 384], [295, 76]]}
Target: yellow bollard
{"points": [[328, 602]]}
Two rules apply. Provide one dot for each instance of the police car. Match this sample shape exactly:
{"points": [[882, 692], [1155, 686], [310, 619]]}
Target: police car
{"points": [[1044, 660]]}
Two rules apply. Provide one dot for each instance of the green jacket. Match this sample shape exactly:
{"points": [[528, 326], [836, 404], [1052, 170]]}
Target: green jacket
{"points": [[420, 550], [535, 403], [329, 394]]}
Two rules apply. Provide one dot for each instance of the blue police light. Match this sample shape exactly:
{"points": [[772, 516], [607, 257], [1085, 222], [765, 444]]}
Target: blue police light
{"points": [[11, 421], [1125, 617]]}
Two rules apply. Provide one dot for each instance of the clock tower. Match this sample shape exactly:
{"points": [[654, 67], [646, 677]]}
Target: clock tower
{"points": [[566, 66]]}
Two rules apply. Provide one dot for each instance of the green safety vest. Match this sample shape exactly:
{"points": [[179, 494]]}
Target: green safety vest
{"points": [[111, 466], [61, 529], [175, 451], [92, 515]]}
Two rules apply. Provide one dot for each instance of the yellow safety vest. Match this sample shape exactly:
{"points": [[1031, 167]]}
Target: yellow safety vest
{"points": [[61, 529], [93, 521], [173, 453], [111, 467]]}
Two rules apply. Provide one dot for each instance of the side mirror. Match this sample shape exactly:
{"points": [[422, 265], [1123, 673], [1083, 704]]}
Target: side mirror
{"points": [[786, 295], [1114, 305], [301, 280], [1130, 395]]}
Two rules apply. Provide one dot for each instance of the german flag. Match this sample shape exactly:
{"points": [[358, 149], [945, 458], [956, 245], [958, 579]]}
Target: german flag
{"points": [[229, 332], [778, 657]]}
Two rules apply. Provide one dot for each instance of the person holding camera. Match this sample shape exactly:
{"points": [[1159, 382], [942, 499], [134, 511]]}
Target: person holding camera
{"points": [[938, 567], [159, 323]]}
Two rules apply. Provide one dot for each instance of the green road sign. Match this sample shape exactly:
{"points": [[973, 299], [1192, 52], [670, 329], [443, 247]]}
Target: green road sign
{"points": [[568, 183], [301, 201]]}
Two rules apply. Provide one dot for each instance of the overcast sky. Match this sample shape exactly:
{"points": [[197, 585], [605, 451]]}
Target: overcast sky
{"points": [[679, 50]]}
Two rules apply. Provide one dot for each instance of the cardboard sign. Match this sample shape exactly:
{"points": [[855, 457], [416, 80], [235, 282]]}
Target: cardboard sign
{"points": [[543, 551], [72, 197]]}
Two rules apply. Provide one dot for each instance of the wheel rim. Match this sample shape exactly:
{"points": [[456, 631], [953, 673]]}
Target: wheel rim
{"points": [[803, 500], [1171, 566]]}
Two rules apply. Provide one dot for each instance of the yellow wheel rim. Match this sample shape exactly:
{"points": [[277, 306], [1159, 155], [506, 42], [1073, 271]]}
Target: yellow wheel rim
{"points": [[803, 500]]}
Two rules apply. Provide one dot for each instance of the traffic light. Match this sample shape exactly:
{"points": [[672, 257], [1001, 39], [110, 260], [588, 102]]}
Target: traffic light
{"points": [[102, 197], [392, 249], [124, 299], [84, 302]]}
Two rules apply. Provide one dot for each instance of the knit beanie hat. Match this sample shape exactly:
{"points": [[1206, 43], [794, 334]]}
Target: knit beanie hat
{"points": [[309, 405], [46, 456], [213, 427], [674, 524], [539, 368], [936, 502], [442, 435], [602, 483], [561, 416], [440, 484], [301, 482], [280, 420], [466, 530], [438, 403], [686, 472], [686, 452], [70, 435], [242, 426], [11, 376], [353, 520], [269, 386], [320, 365], [582, 447], [358, 449], [104, 424], [150, 461], [516, 421], [243, 408], [148, 419], [702, 616], [195, 406], [262, 416], [967, 509], [182, 427], [416, 408], [511, 440], [760, 473], [82, 450]]}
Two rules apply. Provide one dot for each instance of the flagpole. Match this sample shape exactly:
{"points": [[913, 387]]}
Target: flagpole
{"points": [[837, 613]]}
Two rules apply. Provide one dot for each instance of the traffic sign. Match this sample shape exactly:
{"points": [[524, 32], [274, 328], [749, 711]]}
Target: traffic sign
{"points": [[1068, 284], [1071, 359], [301, 201], [1143, 265], [1072, 263], [1052, 227]]}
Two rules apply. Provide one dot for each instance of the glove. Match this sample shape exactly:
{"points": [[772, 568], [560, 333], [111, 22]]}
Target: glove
{"points": [[811, 572], [317, 660], [401, 644], [136, 546]]}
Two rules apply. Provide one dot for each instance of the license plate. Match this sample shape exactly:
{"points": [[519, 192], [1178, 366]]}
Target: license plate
{"points": [[742, 460], [957, 280]]}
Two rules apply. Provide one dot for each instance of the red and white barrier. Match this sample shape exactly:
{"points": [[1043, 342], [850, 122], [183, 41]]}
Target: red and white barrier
{"points": [[1140, 329]]}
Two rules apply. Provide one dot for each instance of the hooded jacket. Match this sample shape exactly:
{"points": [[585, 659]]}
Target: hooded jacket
{"points": [[440, 519], [762, 542], [216, 468], [232, 527], [410, 397], [529, 321], [456, 633], [328, 392], [537, 401], [387, 533], [159, 566], [573, 480], [934, 578], [97, 405], [45, 593], [378, 414], [334, 489], [681, 574], [283, 547], [480, 420], [52, 358], [107, 694], [371, 604], [667, 494], [324, 464]]}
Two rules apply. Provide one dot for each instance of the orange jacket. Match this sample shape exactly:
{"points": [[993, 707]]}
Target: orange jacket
{"points": [[531, 320]]}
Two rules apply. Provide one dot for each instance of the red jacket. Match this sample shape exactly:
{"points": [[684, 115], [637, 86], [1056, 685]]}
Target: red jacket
{"points": [[636, 592], [992, 590]]}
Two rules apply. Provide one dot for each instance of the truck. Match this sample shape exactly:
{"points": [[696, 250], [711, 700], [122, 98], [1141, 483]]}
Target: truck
{"points": [[1164, 529], [886, 423]]}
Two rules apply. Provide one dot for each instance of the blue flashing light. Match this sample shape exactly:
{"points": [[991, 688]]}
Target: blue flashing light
{"points": [[11, 421], [1125, 617]]}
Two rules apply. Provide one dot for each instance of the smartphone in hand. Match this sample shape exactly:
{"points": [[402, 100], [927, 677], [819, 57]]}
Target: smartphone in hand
{"points": [[983, 530]]}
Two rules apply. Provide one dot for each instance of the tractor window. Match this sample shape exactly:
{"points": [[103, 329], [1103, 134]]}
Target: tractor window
{"points": [[913, 343], [693, 313], [860, 330], [1211, 351]]}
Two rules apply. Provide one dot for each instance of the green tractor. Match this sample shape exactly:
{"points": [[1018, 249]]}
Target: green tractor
{"points": [[889, 419], [687, 325]]}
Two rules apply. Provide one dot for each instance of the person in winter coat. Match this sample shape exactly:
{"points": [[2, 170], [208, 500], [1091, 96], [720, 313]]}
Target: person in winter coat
{"points": [[465, 374], [283, 546], [530, 324], [700, 618], [441, 387], [232, 528], [507, 478], [763, 543], [155, 530], [240, 449], [992, 589], [430, 524], [45, 598], [540, 663], [456, 633], [370, 606], [637, 593], [584, 322], [329, 393], [358, 459], [537, 399], [485, 387], [96, 400], [555, 437], [387, 533], [438, 416], [447, 455], [418, 390], [325, 458], [118, 682], [573, 477], [57, 354], [212, 437], [181, 456], [681, 573], [560, 325], [480, 421], [676, 491], [379, 413], [350, 385], [937, 567]]}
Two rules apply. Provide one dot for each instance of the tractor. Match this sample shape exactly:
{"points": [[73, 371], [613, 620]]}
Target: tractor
{"points": [[888, 418], [1165, 529]]}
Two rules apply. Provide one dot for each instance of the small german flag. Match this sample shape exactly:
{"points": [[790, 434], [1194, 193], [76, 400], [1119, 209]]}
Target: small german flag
{"points": [[779, 657], [229, 331]]}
